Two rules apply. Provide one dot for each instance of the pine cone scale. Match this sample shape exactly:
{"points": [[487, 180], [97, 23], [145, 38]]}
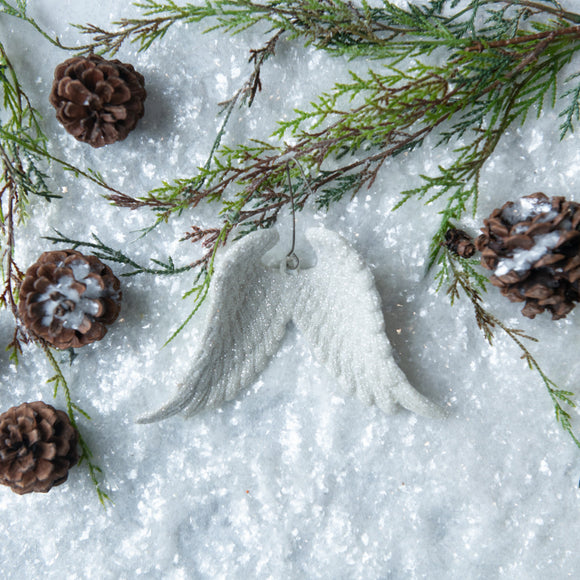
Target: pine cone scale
{"points": [[71, 112], [48, 451], [93, 76], [518, 241], [549, 260], [75, 92], [40, 285], [85, 325], [540, 293], [114, 113], [539, 229], [574, 276]]}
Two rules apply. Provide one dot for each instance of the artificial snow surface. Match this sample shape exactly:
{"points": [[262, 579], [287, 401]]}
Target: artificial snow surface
{"points": [[292, 479]]}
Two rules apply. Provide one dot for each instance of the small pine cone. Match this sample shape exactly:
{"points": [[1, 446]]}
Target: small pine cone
{"points": [[68, 299], [459, 242], [98, 101], [38, 445], [533, 247]]}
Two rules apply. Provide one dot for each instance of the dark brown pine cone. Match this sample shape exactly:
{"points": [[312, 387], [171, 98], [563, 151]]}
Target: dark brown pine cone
{"points": [[459, 242], [98, 101], [38, 445], [68, 299], [533, 247]]}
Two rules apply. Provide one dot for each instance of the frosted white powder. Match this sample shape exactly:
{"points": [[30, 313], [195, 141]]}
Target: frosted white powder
{"points": [[520, 229], [64, 302], [93, 290], [548, 216], [80, 269], [523, 259], [524, 209]]}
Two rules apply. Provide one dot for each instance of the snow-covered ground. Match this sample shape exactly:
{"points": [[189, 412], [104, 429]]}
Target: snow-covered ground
{"points": [[292, 479]]}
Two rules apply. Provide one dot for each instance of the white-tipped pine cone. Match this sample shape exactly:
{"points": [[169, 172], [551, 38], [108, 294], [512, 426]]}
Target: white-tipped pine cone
{"points": [[533, 247], [69, 299]]}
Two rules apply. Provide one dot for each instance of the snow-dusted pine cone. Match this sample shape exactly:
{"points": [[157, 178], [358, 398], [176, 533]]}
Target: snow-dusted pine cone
{"points": [[98, 101], [533, 247], [68, 298], [38, 445]]}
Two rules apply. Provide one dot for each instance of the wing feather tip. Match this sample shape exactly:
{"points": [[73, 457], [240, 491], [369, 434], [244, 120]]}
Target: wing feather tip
{"points": [[423, 406], [180, 403], [153, 417]]}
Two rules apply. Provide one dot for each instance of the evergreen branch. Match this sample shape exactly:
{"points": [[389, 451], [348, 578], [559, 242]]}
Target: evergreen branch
{"points": [[201, 289], [143, 31], [34, 149], [464, 278], [181, 193], [478, 94], [20, 176], [60, 383], [19, 10], [232, 16], [334, 25], [571, 112], [494, 75], [104, 252]]}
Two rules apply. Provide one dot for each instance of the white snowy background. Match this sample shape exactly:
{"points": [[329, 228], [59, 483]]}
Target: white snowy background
{"points": [[293, 479]]}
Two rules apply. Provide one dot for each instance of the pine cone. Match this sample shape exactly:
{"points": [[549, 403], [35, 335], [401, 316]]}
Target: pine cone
{"points": [[459, 242], [38, 445], [98, 101], [533, 247], [67, 298]]}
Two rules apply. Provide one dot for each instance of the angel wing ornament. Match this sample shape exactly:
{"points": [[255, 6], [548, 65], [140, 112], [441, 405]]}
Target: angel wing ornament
{"points": [[334, 304]]}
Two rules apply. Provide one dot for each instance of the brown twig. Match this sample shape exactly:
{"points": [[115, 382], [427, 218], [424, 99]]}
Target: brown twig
{"points": [[12, 273], [549, 35]]}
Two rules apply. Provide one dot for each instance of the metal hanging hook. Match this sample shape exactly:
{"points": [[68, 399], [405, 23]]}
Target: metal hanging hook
{"points": [[292, 261]]}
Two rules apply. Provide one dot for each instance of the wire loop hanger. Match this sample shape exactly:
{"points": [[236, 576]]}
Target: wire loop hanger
{"points": [[292, 260]]}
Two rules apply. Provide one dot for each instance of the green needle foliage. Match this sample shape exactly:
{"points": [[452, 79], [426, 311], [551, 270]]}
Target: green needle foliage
{"points": [[464, 72], [467, 280], [461, 73], [59, 382]]}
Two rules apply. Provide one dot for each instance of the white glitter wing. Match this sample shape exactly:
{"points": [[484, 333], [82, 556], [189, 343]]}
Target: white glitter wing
{"points": [[338, 310], [245, 322]]}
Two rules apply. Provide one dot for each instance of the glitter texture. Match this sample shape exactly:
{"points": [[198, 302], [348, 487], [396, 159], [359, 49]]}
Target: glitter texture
{"points": [[334, 304]]}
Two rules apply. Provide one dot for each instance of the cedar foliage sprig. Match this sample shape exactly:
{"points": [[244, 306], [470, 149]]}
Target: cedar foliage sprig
{"points": [[464, 278], [105, 252], [210, 238], [501, 63], [59, 382]]}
